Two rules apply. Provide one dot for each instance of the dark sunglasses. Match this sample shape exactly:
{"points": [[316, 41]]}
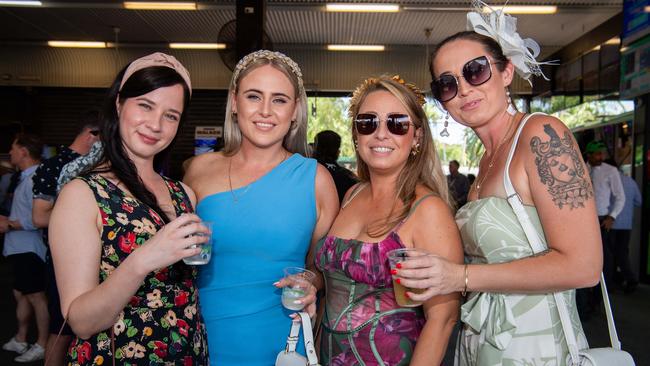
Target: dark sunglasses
{"points": [[367, 123], [476, 72], [94, 132]]}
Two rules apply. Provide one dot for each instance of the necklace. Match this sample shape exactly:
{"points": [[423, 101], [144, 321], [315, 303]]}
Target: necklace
{"points": [[234, 196], [505, 138]]}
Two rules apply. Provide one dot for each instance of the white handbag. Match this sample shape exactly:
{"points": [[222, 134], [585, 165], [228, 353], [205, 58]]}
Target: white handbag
{"points": [[289, 356], [608, 356]]}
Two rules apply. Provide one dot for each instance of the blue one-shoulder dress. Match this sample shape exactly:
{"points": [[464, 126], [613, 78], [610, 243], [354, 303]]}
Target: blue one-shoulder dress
{"points": [[258, 230]]}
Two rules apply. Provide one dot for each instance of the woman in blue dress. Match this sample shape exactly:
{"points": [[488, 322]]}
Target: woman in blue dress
{"points": [[268, 204]]}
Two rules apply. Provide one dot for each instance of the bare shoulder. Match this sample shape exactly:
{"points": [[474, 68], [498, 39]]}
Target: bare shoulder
{"points": [[543, 127], [555, 163], [323, 175], [74, 190], [430, 206], [201, 164]]}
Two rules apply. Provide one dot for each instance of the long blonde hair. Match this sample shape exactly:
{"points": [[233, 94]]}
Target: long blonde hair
{"points": [[423, 167], [295, 140]]}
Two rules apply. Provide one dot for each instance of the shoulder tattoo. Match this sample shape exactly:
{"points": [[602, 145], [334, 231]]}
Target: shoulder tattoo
{"points": [[560, 168]]}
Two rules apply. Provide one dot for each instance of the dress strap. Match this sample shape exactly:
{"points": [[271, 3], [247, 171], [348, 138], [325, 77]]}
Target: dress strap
{"points": [[355, 191], [507, 183], [413, 207]]}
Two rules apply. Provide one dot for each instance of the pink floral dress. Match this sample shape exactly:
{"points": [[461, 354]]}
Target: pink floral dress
{"points": [[161, 324], [362, 324]]}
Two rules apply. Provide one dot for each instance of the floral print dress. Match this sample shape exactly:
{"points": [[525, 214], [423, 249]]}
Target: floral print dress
{"points": [[161, 324], [362, 323]]}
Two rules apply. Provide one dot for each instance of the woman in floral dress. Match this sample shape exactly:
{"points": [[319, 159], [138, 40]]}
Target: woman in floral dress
{"points": [[402, 201], [119, 231]]}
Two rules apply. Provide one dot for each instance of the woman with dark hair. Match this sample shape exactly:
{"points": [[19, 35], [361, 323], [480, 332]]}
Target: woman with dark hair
{"points": [[532, 192], [402, 191], [123, 290]]}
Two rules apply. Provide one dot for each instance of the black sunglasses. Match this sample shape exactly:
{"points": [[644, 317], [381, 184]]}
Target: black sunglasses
{"points": [[367, 123], [94, 132], [476, 72]]}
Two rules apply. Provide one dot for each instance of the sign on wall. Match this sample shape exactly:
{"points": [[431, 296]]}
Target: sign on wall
{"points": [[206, 137]]}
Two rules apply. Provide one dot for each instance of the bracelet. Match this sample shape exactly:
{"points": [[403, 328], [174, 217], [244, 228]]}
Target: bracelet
{"points": [[464, 292]]}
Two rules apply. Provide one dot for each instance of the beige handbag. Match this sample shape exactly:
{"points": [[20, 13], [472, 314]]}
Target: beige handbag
{"points": [[289, 357]]}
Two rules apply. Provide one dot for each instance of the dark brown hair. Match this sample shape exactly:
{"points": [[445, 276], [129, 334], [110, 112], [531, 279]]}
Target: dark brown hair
{"points": [[490, 45], [32, 143]]}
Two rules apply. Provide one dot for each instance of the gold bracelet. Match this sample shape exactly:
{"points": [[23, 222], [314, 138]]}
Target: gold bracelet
{"points": [[464, 292]]}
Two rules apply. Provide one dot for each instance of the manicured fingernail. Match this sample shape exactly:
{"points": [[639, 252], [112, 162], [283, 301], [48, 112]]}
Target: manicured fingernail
{"points": [[299, 302], [276, 283], [398, 281], [398, 265], [393, 271]]}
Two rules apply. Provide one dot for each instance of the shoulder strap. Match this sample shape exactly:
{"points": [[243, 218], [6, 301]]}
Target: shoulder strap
{"points": [[292, 341], [356, 190], [537, 245]]}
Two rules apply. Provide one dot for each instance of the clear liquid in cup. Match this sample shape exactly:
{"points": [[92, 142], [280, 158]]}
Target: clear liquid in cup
{"points": [[201, 258], [299, 280], [290, 295], [206, 249]]}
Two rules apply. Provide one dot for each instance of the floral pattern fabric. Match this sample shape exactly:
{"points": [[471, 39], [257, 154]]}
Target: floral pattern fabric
{"points": [[362, 324], [161, 324]]}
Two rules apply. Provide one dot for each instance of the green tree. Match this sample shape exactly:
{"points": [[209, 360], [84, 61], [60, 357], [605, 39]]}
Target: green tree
{"points": [[326, 113]]}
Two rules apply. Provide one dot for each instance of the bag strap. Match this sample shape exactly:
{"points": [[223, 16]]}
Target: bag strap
{"points": [[538, 246], [294, 335]]}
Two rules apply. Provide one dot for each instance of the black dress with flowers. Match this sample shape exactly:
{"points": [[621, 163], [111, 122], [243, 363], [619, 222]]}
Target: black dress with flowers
{"points": [[161, 324]]}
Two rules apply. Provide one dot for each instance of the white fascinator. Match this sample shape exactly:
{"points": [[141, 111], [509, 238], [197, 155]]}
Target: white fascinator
{"points": [[501, 27]]}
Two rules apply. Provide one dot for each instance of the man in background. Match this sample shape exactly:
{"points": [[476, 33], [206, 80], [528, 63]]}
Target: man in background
{"points": [[45, 192], [458, 184], [622, 230], [24, 247], [327, 146]]}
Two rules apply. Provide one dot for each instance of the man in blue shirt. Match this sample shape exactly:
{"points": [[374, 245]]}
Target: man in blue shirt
{"points": [[24, 248], [621, 231]]}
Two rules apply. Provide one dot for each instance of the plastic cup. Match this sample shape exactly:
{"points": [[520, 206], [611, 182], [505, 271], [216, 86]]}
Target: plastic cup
{"points": [[300, 279], [401, 255], [206, 248]]}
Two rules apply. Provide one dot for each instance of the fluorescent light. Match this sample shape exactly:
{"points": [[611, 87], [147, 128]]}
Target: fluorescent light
{"points": [[597, 48], [613, 41], [20, 3], [198, 46], [150, 5], [365, 8], [76, 44], [524, 9], [352, 47], [623, 49]]}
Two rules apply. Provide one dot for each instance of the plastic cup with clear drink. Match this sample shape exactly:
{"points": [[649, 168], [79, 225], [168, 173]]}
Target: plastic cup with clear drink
{"points": [[400, 255], [300, 279], [206, 248]]}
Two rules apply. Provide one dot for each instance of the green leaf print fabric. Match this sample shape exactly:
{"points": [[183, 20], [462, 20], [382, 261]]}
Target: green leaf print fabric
{"points": [[508, 329]]}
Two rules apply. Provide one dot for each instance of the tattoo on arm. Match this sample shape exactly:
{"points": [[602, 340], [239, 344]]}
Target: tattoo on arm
{"points": [[560, 168]]}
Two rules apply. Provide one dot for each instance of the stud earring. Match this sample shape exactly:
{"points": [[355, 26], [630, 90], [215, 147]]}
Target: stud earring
{"points": [[511, 108], [444, 132]]}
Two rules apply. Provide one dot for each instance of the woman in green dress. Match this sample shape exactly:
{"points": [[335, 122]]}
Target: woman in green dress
{"points": [[510, 316]]}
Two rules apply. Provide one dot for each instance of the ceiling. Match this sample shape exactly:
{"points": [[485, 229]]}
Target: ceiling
{"points": [[294, 24]]}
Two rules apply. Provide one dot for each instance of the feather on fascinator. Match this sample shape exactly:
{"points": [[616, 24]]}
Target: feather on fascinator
{"points": [[501, 27]]}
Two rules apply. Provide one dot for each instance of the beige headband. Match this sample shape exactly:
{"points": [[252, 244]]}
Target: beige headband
{"points": [[157, 59]]}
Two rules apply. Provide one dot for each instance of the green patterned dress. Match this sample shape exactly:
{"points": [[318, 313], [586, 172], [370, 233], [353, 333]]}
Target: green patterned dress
{"points": [[508, 329]]}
